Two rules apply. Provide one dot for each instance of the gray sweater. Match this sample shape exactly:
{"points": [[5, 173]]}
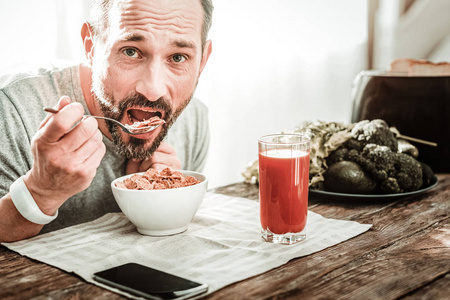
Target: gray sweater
{"points": [[22, 97]]}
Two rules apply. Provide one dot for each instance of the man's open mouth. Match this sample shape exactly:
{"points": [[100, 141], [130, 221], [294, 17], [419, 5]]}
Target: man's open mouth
{"points": [[139, 115]]}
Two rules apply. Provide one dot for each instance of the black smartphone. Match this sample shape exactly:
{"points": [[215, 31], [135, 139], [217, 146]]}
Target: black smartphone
{"points": [[149, 283]]}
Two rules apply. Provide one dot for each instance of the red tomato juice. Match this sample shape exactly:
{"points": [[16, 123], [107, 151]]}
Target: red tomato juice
{"points": [[283, 189]]}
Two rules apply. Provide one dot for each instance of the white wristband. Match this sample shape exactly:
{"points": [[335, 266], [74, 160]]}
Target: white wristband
{"points": [[25, 204]]}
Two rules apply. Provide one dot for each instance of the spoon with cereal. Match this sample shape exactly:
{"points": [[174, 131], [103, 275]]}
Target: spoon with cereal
{"points": [[138, 127]]}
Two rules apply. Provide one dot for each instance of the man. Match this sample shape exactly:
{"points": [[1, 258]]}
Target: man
{"points": [[144, 58]]}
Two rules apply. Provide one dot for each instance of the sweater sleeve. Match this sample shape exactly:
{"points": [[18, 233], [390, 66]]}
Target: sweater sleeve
{"points": [[15, 150], [202, 143], [190, 136]]}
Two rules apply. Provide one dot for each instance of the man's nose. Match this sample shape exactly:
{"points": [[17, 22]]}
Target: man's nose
{"points": [[152, 83]]}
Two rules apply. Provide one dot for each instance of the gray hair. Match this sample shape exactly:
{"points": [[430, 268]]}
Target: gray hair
{"points": [[100, 18]]}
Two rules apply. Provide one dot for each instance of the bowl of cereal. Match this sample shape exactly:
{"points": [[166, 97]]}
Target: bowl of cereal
{"points": [[162, 202]]}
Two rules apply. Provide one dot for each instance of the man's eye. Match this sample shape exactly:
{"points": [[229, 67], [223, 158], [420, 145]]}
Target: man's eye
{"points": [[130, 52], [178, 58]]}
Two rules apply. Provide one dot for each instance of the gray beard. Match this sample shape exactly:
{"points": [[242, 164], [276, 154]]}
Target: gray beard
{"points": [[135, 148]]}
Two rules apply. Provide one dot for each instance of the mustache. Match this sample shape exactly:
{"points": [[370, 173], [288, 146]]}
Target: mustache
{"points": [[140, 100]]}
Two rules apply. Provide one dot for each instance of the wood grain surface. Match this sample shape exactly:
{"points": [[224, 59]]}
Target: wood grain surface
{"points": [[405, 255]]}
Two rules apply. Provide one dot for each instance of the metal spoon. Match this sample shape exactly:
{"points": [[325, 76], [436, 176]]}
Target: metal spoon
{"points": [[126, 128]]}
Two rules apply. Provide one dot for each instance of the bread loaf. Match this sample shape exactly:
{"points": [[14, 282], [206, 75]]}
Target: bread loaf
{"points": [[419, 67]]}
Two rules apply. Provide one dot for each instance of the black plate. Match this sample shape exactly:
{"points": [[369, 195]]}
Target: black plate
{"points": [[433, 183]]}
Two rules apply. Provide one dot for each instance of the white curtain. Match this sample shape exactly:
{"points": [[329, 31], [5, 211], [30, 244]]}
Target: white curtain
{"points": [[274, 65]]}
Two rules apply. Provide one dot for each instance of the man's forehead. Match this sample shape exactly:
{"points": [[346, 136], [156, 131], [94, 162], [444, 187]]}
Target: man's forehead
{"points": [[166, 5], [178, 16]]}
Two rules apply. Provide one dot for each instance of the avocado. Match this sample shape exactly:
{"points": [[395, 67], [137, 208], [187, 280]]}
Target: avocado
{"points": [[427, 175], [348, 177]]}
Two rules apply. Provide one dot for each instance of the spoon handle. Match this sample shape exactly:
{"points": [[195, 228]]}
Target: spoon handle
{"points": [[54, 111], [51, 110]]}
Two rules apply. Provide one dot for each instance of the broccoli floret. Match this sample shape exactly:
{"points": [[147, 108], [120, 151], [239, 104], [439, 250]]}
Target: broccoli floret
{"points": [[338, 155], [396, 172], [389, 185], [377, 154], [377, 161], [408, 172], [354, 144], [375, 132]]}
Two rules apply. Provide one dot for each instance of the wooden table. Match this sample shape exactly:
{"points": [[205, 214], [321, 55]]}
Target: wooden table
{"points": [[405, 255]]}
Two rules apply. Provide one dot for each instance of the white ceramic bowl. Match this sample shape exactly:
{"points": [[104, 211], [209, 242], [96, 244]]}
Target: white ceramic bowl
{"points": [[161, 212]]}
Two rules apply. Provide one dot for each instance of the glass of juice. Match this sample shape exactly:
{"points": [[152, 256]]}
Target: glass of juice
{"points": [[283, 187]]}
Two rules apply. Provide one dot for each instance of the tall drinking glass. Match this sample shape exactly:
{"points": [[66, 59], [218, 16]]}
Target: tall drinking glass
{"points": [[283, 187]]}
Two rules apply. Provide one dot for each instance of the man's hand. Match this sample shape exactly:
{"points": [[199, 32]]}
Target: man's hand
{"points": [[65, 158], [165, 156]]}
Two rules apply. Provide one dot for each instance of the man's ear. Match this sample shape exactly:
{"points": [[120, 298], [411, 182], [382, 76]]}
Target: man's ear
{"points": [[88, 43], [206, 53]]}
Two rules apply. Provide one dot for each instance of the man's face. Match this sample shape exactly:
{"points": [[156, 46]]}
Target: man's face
{"points": [[149, 65]]}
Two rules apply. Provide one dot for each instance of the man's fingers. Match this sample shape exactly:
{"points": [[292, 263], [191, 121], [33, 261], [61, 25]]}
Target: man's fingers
{"points": [[90, 146], [97, 150], [165, 147], [80, 134], [165, 156], [63, 101], [160, 159], [60, 123], [90, 154], [133, 166], [159, 166]]}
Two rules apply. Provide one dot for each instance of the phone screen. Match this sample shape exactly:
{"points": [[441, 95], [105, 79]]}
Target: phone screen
{"points": [[150, 283]]}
